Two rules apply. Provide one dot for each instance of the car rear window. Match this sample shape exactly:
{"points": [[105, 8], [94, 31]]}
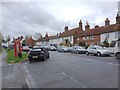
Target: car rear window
{"points": [[36, 50]]}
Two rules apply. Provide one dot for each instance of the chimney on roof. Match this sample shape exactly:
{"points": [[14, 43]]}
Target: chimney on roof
{"points": [[80, 25], [60, 33], [87, 26], [96, 26], [66, 28], [107, 22], [57, 34], [118, 19]]}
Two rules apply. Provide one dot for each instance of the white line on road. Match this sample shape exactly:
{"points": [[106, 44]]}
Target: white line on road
{"points": [[28, 77], [84, 86], [113, 64], [63, 73]]}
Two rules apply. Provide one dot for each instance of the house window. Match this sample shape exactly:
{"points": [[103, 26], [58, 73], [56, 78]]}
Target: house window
{"points": [[91, 37], [107, 35], [86, 38], [116, 35], [77, 39], [70, 38]]}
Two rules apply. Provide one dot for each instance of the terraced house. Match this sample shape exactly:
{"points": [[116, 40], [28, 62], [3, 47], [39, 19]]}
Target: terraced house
{"points": [[89, 36]]}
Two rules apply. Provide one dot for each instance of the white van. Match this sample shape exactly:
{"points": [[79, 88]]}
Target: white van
{"points": [[117, 49]]}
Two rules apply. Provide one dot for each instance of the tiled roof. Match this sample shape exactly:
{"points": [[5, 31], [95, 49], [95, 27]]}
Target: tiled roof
{"points": [[53, 37], [99, 30], [79, 33], [69, 32]]}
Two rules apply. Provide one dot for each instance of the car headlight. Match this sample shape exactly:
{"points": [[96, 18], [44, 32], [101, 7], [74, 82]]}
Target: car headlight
{"points": [[42, 52]]}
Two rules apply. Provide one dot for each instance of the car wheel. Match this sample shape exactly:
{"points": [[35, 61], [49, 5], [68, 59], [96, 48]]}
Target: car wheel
{"points": [[48, 56], [77, 52], [87, 53], [99, 54], [118, 55], [44, 58]]}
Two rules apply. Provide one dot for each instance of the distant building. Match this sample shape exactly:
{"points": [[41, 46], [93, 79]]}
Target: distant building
{"points": [[30, 42], [89, 36]]}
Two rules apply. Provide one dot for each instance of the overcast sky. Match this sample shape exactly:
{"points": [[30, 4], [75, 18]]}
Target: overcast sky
{"points": [[28, 18]]}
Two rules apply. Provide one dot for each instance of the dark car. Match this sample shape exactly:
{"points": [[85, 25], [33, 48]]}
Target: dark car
{"points": [[10, 46], [38, 53]]}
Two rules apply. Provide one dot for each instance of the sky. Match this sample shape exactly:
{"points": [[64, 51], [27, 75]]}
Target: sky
{"points": [[29, 17]]}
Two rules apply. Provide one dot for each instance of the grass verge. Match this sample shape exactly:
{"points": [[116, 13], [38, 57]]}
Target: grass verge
{"points": [[12, 59]]}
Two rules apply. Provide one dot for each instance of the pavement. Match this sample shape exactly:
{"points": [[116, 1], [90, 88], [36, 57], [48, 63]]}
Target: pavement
{"points": [[66, 70], [0, 71], [12, 74]]}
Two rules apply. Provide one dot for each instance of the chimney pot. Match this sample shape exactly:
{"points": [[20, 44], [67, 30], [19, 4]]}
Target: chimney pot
{"points": [[87, 26], [107, 22], [66, 28], [80, 25]]}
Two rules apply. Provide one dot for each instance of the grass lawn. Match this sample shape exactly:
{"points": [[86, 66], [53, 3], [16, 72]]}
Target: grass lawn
{"points": [[12, 59]]}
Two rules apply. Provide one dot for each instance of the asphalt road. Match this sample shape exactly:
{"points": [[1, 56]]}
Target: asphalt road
{"points": [[65, 70]]}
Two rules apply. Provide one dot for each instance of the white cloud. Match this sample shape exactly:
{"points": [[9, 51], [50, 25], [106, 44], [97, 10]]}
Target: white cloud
{"points": [[27, 18]]}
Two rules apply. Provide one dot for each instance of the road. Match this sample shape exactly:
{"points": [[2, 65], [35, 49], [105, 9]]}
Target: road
{"points": [[66, 70]]}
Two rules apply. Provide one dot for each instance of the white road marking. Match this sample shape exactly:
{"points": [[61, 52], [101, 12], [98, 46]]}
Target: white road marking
{"points": [[84, 86], [90, 60], [63, 73], [113, 64], [29, 80]]}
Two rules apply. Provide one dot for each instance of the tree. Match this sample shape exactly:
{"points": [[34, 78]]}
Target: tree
{"points": [[37, 36], [105, 43], [81, 43], [112, 44]]}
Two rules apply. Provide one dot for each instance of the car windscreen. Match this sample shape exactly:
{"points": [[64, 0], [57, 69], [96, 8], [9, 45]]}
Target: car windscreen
{"points": [[79, 47], [38, 49], [99, 47]]}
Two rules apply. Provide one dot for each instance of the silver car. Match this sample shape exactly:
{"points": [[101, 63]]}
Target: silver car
{"points": [[97, 50], [78, 49], [63, 49]]}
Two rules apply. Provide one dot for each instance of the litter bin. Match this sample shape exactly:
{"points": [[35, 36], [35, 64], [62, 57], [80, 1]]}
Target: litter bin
{"points": [[20, 55]]}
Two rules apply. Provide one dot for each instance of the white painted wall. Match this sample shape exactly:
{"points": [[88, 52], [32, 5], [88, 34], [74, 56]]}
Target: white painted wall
{"points": [[111, 36]]}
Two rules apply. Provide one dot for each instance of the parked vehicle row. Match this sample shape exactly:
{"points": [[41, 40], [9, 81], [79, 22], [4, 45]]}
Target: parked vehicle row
{"points": [[92, 49]]}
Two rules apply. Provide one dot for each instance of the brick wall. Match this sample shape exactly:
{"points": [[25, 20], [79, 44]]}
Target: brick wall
{"points": [[88, 41]]}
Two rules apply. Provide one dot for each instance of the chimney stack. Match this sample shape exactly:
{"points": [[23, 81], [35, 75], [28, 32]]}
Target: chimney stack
{"points": [[66, 28], [96, 26], [107, 22], [118, 19], [80, 25], [87, 26], [60, 33]]}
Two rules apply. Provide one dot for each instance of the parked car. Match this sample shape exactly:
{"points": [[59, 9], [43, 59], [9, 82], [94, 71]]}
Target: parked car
{"points": [[78, 49], [52, 48], [63, 49], [11, 46], [38, 53], [25, 48], [117, 49], [4, 46], [97, 50]]}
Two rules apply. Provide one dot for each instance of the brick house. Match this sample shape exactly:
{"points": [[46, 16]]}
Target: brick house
{"points": [[89, 36], [30, 42], [99, 34]]}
